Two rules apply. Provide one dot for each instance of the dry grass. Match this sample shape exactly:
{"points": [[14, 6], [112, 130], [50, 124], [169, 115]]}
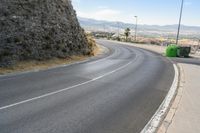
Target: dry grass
{"points": [[98, 49], [42, 65]]}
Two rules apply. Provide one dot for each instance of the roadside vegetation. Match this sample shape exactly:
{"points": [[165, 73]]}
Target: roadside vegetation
{"points": [[144, 39], [92, 44], [127, 33], [32, 65]]}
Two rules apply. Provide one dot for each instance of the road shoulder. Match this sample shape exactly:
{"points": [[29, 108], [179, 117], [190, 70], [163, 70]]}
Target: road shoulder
{"points": [[175, 103], [32, 66], [184, 115]]}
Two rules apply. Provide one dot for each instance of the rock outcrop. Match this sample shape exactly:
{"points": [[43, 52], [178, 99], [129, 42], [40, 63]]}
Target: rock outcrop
{"points": [[39, 30]]}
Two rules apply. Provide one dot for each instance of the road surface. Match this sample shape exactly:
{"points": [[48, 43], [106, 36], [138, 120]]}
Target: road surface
{"points": [[116, 93]]}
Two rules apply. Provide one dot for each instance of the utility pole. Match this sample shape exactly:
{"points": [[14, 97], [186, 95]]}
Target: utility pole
{"points": [[179, 25], [136, 22], [118, 29], [199, 42]]}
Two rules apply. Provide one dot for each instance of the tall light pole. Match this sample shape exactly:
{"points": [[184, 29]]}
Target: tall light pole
{"points": [[136, 22], [118, 29], [179, 25]]}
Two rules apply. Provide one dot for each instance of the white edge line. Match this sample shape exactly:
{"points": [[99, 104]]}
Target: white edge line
{"points": [[153, 124], [74, 86]]}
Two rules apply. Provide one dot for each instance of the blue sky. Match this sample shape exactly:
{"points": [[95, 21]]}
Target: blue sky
{"points": [[152, 12]]}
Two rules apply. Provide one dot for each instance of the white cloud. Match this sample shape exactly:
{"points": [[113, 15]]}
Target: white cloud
{"points": [[101, 14]]}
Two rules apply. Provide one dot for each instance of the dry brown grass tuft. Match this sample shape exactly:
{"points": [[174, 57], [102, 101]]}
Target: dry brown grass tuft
{"points": [[42, 65], [92, 43]]}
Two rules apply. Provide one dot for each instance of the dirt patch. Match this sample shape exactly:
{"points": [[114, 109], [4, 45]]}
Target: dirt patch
{"points": [[98, 49]]}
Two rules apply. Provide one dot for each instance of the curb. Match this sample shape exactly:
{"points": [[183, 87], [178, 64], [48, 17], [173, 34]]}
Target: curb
{"points": [[161, 120], [153, 125], [172, 111]]}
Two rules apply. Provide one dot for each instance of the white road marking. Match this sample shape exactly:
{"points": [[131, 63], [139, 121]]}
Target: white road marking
{"points": [[65, 89], [154, 123]]}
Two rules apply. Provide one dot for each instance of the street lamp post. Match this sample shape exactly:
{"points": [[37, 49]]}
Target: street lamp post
{"points": [[136, 21], [179, 25], [118, 29]]}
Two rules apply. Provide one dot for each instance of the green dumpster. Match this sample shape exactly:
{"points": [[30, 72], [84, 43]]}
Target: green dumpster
{"points": [[171, 50], [183, 51]]}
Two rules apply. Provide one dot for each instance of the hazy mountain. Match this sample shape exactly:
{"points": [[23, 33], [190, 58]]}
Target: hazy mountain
{"points": [[151, 30]]}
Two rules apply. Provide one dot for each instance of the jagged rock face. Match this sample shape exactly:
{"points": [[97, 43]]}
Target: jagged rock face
{"points": [[39, 30]]}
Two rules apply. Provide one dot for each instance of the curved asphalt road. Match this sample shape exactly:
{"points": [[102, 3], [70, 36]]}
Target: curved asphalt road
{"points": [[118, 93]]}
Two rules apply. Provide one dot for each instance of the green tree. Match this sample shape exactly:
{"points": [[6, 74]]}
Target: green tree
{"points": [[127, 32]]}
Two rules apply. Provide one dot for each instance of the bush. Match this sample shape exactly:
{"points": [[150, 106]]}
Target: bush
{"points": [[91, 43]]}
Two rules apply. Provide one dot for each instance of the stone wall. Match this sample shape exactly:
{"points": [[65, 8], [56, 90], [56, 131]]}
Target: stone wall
{"points": [[39, 30]]}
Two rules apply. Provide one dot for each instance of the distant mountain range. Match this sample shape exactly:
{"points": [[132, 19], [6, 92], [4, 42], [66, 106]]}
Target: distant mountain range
{"points": [[145, 30]]}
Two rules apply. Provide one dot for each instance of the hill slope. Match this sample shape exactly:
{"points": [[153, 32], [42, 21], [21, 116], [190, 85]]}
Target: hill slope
{"points": [[39, 30]]}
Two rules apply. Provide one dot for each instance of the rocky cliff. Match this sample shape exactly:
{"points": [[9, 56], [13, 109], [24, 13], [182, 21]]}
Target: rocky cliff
{"points": [[39, 30]]}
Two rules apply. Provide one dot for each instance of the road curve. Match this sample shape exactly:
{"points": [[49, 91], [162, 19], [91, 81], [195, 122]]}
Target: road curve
{"points": [[117, 93]]}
